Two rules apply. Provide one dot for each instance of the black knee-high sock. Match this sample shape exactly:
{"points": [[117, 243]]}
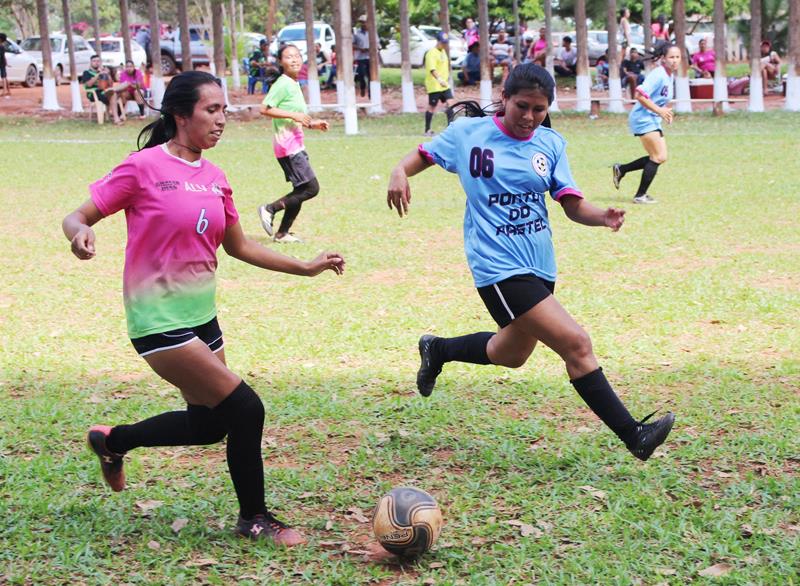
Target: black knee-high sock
{"points": [[596, 391], [634, 165], [294, 202], [242, 413], [141, 109], [470, 348], [649, 173], [197, 426], [428, 120]]}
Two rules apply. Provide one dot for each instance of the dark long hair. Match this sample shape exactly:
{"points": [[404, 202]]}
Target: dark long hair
{"points": [[180, 98], [527, 76]]}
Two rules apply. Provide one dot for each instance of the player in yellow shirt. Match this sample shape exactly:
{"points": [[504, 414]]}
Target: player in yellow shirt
{"points": [[437, 79]]}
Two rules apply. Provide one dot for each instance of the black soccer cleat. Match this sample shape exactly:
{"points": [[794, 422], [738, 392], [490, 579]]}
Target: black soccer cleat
{"points": [[264, 526], [430, 366], [111, 463], [648, 436], [617, 174]]}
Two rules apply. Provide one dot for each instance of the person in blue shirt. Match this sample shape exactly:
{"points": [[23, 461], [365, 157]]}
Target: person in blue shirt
{"points": [[471, 73], [506, 163], [652, 99]]}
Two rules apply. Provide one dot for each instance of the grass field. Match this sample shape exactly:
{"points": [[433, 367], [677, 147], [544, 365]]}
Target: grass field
{"points": [[694, 306]]}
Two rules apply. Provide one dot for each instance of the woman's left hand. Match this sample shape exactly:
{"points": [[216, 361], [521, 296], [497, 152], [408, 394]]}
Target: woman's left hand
{"points": [[326, 261], [614, 218], [318, 124]]}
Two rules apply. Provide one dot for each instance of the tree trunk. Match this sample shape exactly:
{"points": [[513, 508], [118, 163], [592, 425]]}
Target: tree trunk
{"points": [[337, 31], [186, 38], [96, 26], [375, 91], [273, 7], [548, 37], [756, 86], [647, 20], [793, 59], [720, 78], [517, 27], [237, 82], [444, 23], [614, 84], [49, 94], [682, 94], [125, 30], [344, 48], [407, 84], [583, 80], [486, 67], [157, 79], [314, 98], [74, 87], [217, 19]]}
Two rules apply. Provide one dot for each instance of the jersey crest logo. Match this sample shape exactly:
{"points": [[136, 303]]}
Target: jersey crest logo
{"points": [[539, 163]]}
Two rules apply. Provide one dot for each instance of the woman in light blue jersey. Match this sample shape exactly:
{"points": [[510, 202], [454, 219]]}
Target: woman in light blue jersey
{"points": [[645, 118], [506, 163]]}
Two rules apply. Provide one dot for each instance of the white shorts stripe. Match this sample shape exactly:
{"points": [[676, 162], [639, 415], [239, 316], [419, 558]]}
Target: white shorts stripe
{"points": [[169, 347], [218, 349], [503, 300]]}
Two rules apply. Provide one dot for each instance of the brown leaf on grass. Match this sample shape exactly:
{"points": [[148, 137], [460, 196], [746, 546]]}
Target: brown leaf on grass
{"points": [[716, 570], [328, 524], [596, 493], [745, 530], [356, 514], [201, 563], [148, 506], [525, 530], [179, 524], [330, 544], [479, 541], [434, 565], [666, 571], [722, 474], [429, 582], [154, 545]]}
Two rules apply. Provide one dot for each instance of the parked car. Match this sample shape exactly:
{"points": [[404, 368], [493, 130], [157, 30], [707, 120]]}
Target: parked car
{"points": [[20, 65], [171, 52], [58, 48], [420, 41], [113, 53], [295, 34]]}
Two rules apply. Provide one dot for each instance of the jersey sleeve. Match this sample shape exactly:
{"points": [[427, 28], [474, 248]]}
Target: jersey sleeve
{"points": [[276, 95], [231, 215], [561, 181], [430, 61], [117, 190], [443, 150], [650, 86]]}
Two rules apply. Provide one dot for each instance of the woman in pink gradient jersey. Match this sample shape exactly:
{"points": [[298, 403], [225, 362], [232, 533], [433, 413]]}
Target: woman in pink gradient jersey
{"points": [[179, 209]]}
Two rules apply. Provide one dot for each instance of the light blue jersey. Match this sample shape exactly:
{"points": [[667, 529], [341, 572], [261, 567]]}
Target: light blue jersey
{"points": [[506, 228], [659, 87]]}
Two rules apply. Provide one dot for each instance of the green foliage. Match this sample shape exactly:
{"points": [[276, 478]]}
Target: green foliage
{"points": [[693, 306]]}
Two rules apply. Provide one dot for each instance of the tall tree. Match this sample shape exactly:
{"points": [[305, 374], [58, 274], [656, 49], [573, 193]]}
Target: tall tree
{"points": [[583, 80], [720, 79], [49, 94], [186, 39], [311, 52], [614, 84], [237, 82], [682, 96], [157, 80], [409, 101], [337, 31], [756, 87], [344, 48], [548, 37], [124, 29], [74, 87], [270, 30], [647, 20], [793, 59], [217, 19], [375, 93], [486, 67], [96, 26]]}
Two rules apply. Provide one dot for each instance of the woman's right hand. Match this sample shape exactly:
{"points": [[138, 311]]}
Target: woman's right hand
{"points": [[82, 243], [302, 118], [666, 114], [399, 192]]}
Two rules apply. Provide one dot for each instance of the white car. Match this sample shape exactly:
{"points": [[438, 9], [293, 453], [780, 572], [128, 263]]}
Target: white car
{"points": [[113, 53], [421, 39], [58, 47], [20, 66], [295, 34]]}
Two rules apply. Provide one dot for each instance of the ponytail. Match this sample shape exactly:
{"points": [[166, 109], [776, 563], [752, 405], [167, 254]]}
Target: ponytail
{"points": [[180, 98]]}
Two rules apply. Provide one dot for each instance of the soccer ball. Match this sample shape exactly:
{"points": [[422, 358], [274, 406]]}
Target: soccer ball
{"points": [[407, 521]]}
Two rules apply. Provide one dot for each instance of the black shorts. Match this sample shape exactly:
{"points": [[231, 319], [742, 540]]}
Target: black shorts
{"points": [[208, 332], [2, 71], [509, 299], [297, 168], [658, 130], [436, 97]]}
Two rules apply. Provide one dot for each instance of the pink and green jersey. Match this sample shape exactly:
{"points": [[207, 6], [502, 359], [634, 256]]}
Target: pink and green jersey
{"points": [[177, 213], [285, 94]]}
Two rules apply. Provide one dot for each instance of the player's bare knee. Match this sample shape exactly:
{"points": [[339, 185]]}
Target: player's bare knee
{"points": [[578, 347]]}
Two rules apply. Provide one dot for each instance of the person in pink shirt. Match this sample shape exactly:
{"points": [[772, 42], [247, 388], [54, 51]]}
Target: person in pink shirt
{"points": [[704, 61], [179, 209], [660, 29], [538, 52], [131, 86]]}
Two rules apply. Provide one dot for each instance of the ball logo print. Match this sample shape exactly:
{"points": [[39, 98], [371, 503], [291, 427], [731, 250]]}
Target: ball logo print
{"points": [[407, 521], [539, 163]]}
